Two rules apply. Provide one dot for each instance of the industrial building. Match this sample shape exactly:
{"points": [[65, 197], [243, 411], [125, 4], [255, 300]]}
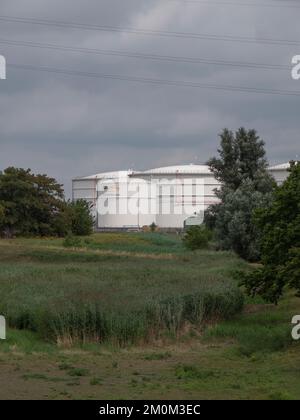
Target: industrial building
{"points": [[170, 197]]}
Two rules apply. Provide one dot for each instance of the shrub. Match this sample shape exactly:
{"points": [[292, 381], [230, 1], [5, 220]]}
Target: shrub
{"points": [[153, 227], [193, 373], [82, 219], [197, 237], [72, 241]]}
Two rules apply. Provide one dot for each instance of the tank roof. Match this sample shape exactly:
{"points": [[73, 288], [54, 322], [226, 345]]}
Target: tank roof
{"points": [[177, 170]]}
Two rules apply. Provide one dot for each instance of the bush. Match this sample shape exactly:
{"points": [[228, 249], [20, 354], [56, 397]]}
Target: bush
{"points": [[153, 227], [197, 237], [82, 219]]}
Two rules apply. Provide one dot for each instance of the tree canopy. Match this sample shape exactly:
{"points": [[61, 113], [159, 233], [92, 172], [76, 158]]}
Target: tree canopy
{"points": [[34, 204], [279, 224], [246, 185], [242, 157]]}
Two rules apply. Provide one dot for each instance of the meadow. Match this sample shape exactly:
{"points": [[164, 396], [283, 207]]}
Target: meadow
{"points": [[137, 316], [99, 292]]}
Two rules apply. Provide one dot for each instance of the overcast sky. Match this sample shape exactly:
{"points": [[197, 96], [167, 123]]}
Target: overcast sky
{"points": [[70, 126]]}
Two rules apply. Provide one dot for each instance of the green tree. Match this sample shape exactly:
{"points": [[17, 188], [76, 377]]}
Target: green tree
{"points": [[242, 157], [234, 226], [246, 185], [32, 203], [2, 217], [82, 220], [279, 224]]}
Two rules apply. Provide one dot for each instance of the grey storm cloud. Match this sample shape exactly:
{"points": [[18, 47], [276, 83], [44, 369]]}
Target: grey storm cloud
{"points": [[68, 125]]}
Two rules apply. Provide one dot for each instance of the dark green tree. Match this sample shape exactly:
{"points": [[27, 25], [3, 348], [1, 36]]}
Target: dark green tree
{"points": [[2, 216], [279, 224], [242, 157], [34, 205], [81, 218], [246, 185], [234, 227], [31, 202]]}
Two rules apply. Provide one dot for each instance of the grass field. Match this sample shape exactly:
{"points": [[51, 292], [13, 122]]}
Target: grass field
{"points": [[138, 316], [88, 295]]}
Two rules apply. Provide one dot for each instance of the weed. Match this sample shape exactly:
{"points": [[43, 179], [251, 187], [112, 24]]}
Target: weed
{"points": [[38, 376], [78, 372], [96, 381], [258, 333], [157, 356], [192, 372]]}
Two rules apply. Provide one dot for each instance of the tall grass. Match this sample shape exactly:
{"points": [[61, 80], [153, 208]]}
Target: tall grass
{"points": [[264, 332], [156, 243], [92, 323], [73, 296]]}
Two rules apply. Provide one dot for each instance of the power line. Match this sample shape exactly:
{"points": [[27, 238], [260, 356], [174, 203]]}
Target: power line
{"points": [[244, 4], [167, 82], [150, 32], [143, 56]]}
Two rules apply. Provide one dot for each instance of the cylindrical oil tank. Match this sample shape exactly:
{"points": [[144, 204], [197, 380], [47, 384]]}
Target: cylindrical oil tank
{"points": [[124, 202]]}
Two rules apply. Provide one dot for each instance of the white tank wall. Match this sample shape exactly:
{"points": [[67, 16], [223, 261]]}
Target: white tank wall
{"points": [[120, 208], [84, 189], [169, 195], [169, 205], [280, 175]]}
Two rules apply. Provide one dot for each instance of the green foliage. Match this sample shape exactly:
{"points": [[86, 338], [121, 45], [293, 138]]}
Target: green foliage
{"points": [[32, 203], [157, 356], [2, 216], [279, 224], [210, 216], [153, 227], [141, 242], [193, 373], [80, 323], [69, 296], [72, 241], [78, 372], [241, 157], [291, 269], [263, 332], [96, 381], [245, 186], [234, 227], [81, 219], [197, 237]]}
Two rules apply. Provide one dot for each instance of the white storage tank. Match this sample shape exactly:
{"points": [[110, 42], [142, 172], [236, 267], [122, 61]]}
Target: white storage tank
{"points": [[124, 203], [167, 196], [280, 172]]}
